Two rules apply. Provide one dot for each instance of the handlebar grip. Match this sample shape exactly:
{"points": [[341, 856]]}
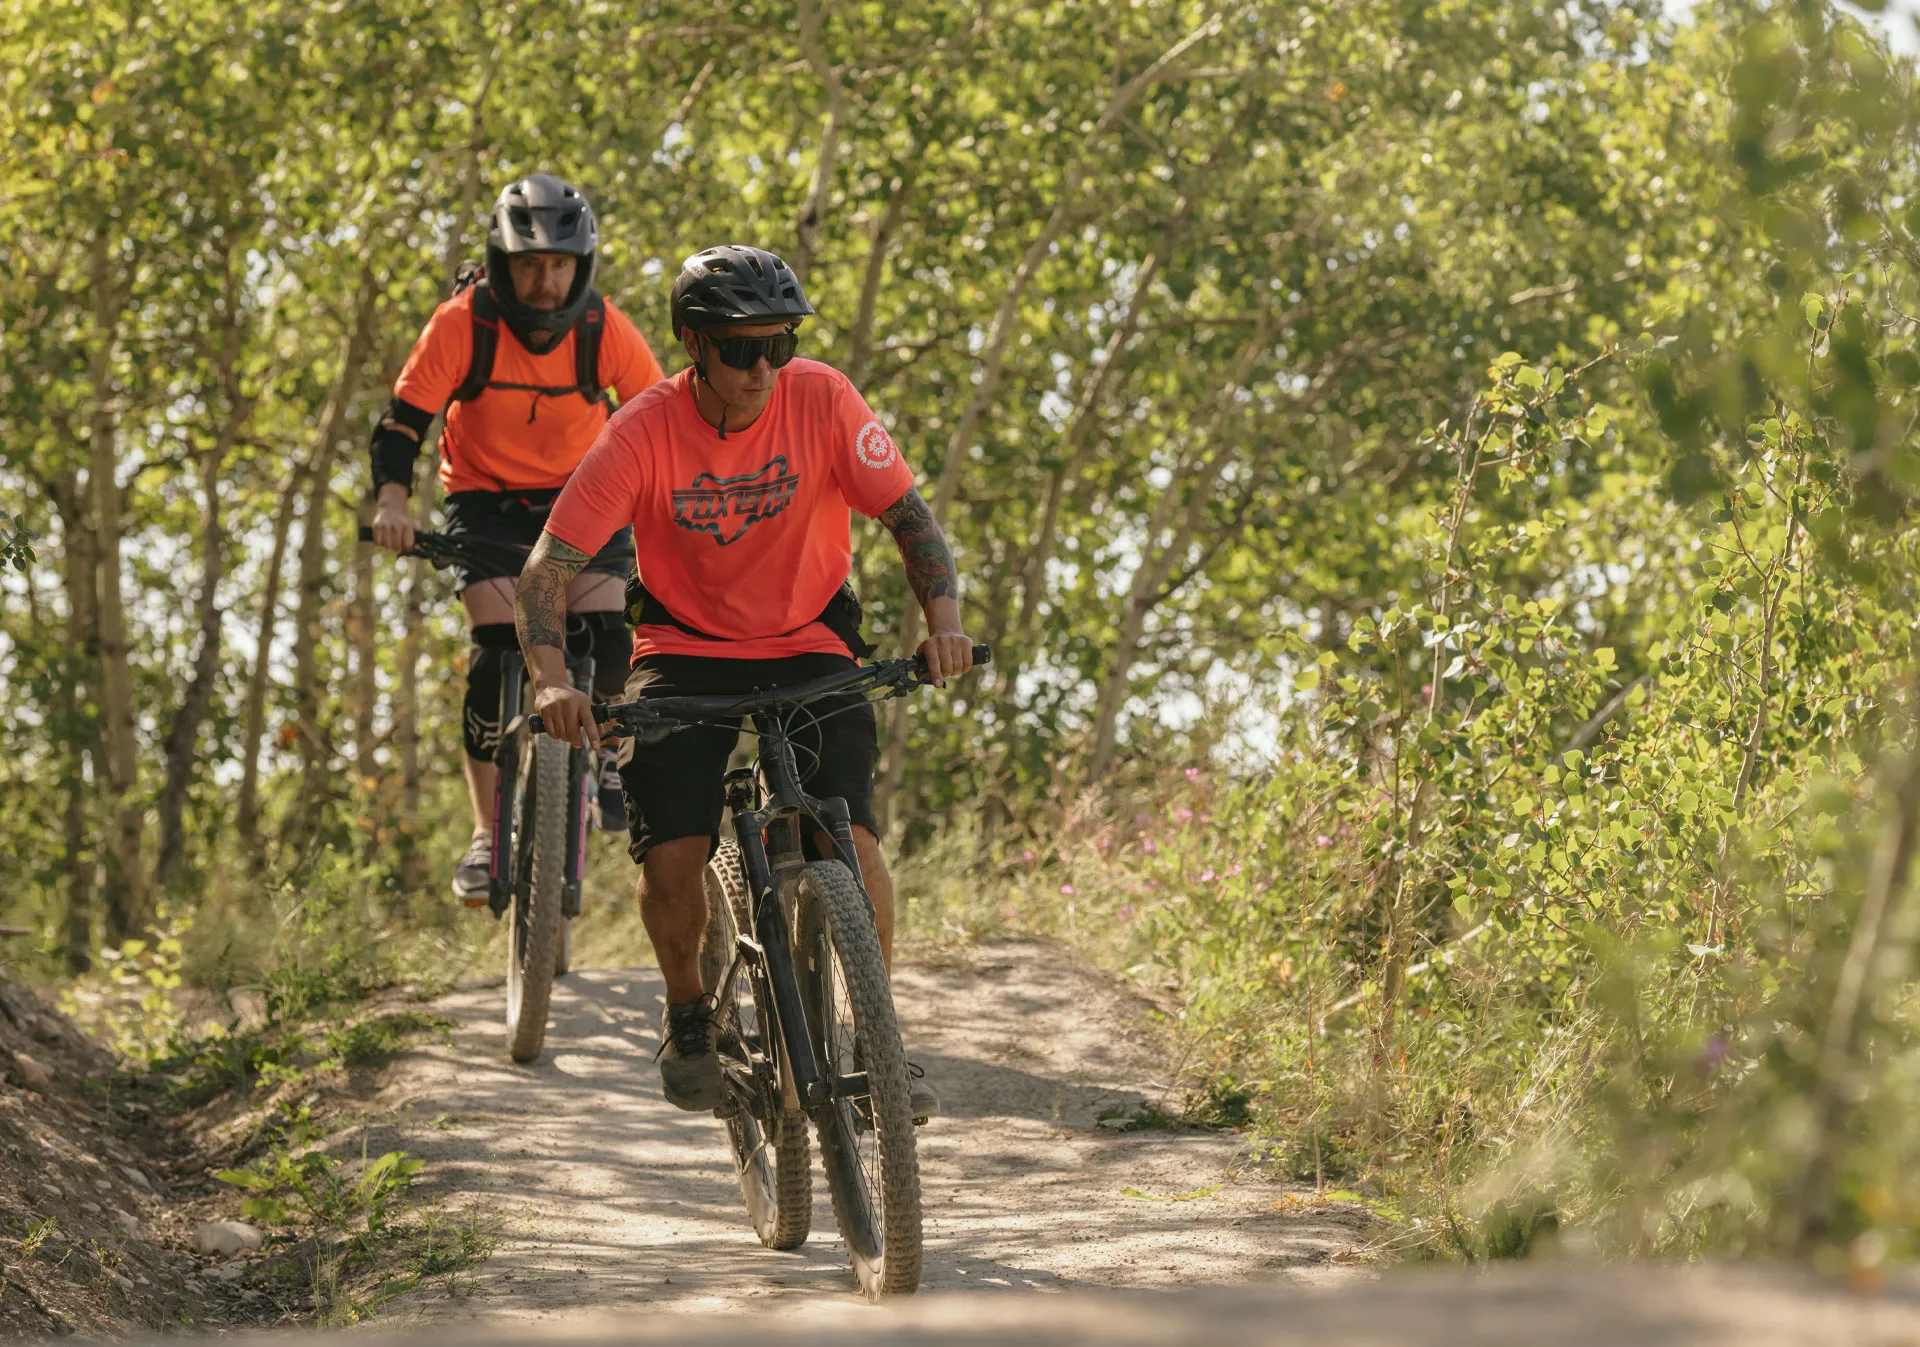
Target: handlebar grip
{"points": [[983, 654], [366, 533], [534, 724]]}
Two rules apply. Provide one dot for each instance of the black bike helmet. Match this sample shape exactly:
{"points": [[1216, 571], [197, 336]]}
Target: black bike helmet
{"points": [[735, 284], [541, 214]]}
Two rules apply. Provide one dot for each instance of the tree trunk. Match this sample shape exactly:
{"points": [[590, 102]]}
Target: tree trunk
{"points": [[127, 906], [184, 734], [406, 702], [807, 226], [860, 340], [1150, 577], [363, 622], [316, 750], [79, 860], [249, 806], [993, 363]]}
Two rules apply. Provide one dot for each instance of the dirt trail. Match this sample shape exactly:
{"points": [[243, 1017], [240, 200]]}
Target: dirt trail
{"points": [[611, 1200]]}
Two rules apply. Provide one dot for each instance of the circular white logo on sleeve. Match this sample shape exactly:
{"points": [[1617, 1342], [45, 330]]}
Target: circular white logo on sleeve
{"points": [[874, 447]]}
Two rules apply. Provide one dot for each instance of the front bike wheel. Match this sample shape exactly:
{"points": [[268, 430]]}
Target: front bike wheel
{"points": [[772, 1161], [866, 1140], [533, 931]]}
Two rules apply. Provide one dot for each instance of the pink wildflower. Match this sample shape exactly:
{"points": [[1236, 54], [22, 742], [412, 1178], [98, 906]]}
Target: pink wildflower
{"points": [[1125, 913], [1233, 870], [1207, 876], [1068, 890], [1193, 773], [1026, 858], [1182, 815], [1323, 841], [1147, 846]]}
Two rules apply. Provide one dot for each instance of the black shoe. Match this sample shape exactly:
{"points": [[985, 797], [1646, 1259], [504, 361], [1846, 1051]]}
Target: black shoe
{"points": [[475, 871], [610, 802], [690, 1074], [924, 1103]]}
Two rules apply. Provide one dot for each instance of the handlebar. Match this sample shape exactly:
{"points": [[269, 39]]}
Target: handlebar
{"points": [[656, 717]]}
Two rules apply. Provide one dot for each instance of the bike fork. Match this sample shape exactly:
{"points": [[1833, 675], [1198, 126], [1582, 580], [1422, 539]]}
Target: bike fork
{"points": [[776, 946], [583, 775], [506, 782]]}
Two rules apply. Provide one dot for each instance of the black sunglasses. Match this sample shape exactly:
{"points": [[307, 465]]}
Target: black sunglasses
{"points": [[746, 352]]}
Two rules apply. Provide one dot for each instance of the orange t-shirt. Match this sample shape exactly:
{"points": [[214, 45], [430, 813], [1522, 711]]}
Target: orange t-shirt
{"points": [[508, 439], [744, 538]]}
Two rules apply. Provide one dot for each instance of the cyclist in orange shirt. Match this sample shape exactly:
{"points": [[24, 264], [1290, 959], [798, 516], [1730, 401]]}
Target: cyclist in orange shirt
{"points": [[738, 476], [520, 362]]}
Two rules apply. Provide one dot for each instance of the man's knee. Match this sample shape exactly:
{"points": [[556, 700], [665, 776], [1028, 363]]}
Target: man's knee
{"points": [[493, 645], [675, 872]]}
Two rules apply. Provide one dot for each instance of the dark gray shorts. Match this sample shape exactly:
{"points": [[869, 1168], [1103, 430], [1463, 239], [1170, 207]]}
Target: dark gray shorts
{"points": [[673, 787]]}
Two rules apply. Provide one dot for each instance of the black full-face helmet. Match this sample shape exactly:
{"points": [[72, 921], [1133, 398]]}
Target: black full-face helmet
{"points": [[541, 214], [735, 283]]}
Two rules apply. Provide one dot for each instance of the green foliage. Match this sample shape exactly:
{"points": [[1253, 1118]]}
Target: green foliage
{"points": [[311, 1190]]}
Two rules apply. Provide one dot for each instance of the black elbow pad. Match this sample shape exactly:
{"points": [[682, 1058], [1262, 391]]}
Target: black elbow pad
{"points": [[394, 450]]}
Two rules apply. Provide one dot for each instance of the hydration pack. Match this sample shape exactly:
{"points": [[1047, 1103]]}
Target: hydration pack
{"points": [[486, 344]]}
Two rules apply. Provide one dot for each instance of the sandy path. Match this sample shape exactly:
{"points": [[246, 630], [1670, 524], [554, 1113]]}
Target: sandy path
{"points": [[610, 1199]]}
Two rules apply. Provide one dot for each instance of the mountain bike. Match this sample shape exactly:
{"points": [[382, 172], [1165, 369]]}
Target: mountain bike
{"points": [[540, 818], [805, 1022]]}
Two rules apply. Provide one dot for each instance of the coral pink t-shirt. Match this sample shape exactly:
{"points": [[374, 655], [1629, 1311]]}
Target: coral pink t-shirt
{"points": [[746, 538]]}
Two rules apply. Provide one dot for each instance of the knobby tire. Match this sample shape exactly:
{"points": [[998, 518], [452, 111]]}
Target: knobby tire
{"points": [[533, 933], [776, 1175], [872, 1164]]}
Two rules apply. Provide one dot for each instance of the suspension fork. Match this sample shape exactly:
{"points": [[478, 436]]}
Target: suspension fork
{"points": [[776, 945], [506, 784], [581, 777]]}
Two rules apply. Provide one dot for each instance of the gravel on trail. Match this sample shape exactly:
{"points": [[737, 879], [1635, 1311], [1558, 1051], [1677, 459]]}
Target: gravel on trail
{"points": [[607, 1200]]}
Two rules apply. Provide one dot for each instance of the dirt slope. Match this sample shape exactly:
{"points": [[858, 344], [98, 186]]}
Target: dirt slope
{"points": [[611, 1200]]}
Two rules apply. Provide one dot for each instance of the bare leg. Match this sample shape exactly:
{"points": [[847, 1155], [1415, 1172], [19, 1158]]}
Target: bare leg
{"points": [[873, 870], [673, 906], [481, 779]]}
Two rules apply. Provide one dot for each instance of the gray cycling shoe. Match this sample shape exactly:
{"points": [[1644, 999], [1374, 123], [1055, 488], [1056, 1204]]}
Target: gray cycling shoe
{"points": [[475, 871], [920, 1096], [689, 1067], [610, 801]]}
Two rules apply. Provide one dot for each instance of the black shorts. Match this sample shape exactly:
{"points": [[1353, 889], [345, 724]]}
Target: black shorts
{"points": [[673, 787], [516, 518]]}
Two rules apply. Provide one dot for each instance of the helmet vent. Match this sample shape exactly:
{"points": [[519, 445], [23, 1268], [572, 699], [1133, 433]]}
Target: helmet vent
{"points": [[522, 220], [568, 221]]}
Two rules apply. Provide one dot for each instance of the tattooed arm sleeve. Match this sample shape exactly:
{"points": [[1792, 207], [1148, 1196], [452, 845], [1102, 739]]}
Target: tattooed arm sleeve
{"points": [[923, 549], [540, 599]]}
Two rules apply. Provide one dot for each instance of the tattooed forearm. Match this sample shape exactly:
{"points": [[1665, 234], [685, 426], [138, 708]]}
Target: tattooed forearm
{"points": [[540, 599], [923, 548]]}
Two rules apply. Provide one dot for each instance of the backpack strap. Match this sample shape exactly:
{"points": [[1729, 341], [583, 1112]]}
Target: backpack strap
{"points": [[486, 341], [586, 349]]}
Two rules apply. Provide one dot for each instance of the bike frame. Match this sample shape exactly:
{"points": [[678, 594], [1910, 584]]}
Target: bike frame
{"points": [[507, 864], [769, 830], [508, 867]]}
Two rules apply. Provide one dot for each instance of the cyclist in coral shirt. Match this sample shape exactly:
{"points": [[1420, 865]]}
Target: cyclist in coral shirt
{"points": [[738, 477], [520, 362]]}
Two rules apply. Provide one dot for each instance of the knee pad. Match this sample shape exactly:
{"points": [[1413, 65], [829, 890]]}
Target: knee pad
{"points": [[612, 653], [493, 642]]}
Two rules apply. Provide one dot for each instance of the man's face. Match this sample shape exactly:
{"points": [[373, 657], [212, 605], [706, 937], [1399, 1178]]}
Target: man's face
{"points": [[542, 280], [744, 390]]}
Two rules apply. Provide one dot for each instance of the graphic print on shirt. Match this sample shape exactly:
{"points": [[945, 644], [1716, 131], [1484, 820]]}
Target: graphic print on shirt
{"points": [[874, 447], [727, 507]]}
